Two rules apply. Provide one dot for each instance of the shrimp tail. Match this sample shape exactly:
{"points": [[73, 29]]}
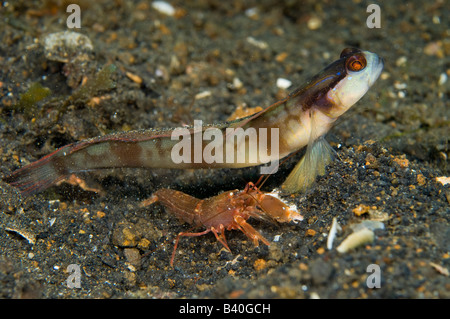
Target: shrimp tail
{"points": [[318, 155]]}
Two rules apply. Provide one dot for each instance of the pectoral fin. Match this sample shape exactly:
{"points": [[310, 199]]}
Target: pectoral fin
{"points": [[318, 155]]}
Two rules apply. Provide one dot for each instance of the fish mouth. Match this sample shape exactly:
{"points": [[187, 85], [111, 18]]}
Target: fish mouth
{"points": [[380, 63], [377, 69]]}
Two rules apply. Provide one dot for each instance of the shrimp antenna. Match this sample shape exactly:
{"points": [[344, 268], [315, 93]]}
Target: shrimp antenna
{"points": [[263, 178]]}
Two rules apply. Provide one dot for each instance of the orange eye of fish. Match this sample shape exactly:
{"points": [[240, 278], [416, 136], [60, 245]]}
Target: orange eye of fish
{"points": [[356, 63]]}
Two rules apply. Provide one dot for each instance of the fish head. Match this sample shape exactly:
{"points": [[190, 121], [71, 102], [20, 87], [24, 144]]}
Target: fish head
{"points": [[362, 69]]}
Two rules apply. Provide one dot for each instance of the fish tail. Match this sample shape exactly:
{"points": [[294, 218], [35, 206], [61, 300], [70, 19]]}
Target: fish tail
{"points": [[39, 175], [318, 155]]}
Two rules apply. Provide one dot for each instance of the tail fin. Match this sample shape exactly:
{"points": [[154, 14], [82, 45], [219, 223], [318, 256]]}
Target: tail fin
{"points": [[37, 176], [318, 155]]}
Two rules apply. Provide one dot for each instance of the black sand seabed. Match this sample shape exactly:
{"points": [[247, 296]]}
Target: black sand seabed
{"points": [[391, 148]]}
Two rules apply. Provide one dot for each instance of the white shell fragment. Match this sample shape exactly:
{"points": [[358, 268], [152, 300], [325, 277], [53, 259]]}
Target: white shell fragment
{"points": [[283, 83], [335, 227], [442, 79], [257, 43], [52, 221], [29, 236], [163, 7], [356, 239], [440, 269], [202, 95], [362, 234], [444, 180]]}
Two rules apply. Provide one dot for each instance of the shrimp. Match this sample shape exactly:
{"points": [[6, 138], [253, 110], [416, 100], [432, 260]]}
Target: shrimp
{"points": [[226, 211]]}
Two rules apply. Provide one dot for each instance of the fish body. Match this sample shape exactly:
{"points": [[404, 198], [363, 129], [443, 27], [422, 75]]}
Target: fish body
{"points": [[301, 119]]}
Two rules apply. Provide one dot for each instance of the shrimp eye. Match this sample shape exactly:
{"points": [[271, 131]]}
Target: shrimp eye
{"points": [[356, 63]]}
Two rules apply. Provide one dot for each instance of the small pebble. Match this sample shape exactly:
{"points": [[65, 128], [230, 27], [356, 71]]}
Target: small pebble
{"points": [[259, 264], [360, 209], [134, 77], [237, 84], [385, 75], [252, 13], [314, 23], [400, 86], [310, 232], [133, 256], [401, 61], [125, 235], [281, 57]]}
